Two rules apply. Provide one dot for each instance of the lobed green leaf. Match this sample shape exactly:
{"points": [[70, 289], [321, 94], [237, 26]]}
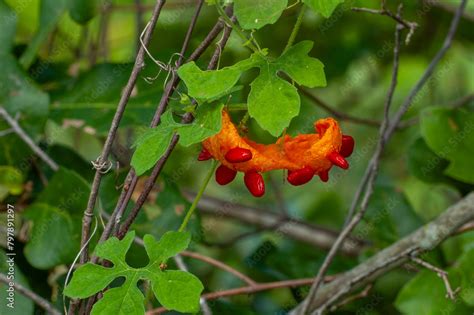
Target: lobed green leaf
{"points": [[323, 7], [256, 14]]}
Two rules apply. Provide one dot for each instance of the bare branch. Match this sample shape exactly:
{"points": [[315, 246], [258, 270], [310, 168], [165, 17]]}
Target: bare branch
{"points": [[16, 128], [139, 64], [424, 239], [366, 184], [386, 131], [337, 114], [308, 233], [450, 294], [362, 294], [252, 289], [132, 179], [220, 265], [411, 26], [159, 165]]}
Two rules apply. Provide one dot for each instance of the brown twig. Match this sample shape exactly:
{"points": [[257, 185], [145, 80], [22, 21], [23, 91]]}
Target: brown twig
{"points": [[311, 234], [450, 294], [424, 239], [132, 179], [44, 304], [210, 261], [103, 158], [367, 182], [337, 114], [411, 26], [387, 130], [138, 21], [159, 165], [220, 265], [465, 228], [362, 294], [16, 128], [252, 289]]}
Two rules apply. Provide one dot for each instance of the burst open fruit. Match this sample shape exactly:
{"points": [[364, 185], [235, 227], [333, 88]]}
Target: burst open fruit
{"points": [[304, 155]]}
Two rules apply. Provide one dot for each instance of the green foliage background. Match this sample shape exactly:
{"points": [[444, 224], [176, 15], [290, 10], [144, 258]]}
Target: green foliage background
{"points": [[64, 84]]}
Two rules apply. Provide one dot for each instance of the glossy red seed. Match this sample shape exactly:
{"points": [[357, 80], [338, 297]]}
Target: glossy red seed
{"points": [[204, 155], [301, 176], [238, 155], [347, 146], [255, 184], [338, 160], [324, 175], [225, 175]]}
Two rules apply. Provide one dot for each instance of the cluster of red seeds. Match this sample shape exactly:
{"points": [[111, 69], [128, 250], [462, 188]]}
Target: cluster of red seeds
{"points": [[254, 180]]}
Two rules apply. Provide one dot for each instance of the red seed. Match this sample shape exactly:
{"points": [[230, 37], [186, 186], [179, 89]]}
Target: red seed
{"points": [[338, 160], [301, 176], [204, 155], [347, 146], [238, 155], [225, 175], [255, 184], [324, 175]]}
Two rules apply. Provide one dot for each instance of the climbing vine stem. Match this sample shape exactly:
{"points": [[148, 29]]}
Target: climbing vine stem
{"points": [[296, 28], [249, 42], [198, 197]]}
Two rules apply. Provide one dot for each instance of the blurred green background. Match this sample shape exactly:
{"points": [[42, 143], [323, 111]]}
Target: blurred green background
{"points": [[63, 80]]}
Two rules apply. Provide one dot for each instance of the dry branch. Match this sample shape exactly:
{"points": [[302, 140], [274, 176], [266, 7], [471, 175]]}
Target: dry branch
{"points": [[424, 239]]}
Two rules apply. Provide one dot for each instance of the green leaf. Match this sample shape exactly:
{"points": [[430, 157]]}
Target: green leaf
{"points": [[19, 95], [464, 266], [68, 191], [8, 21], [88, 280], [53, 239], [50, 13], [256, 14], [426, 294], [272, 101], [208, 122], [102, 83], [449, 133], [178, 290], [153, 143], [300, 67], [124, 300], [169, 245], [11, 181], [424, 163], [56, 216], [323, 7], [213, 83], [175, 290], [150, 148], [82, 11], [389, 217]]}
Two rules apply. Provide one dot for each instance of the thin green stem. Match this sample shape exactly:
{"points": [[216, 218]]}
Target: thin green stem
{"points": [[247, 41], [296, 29], [237, 107], [198, 197]]}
